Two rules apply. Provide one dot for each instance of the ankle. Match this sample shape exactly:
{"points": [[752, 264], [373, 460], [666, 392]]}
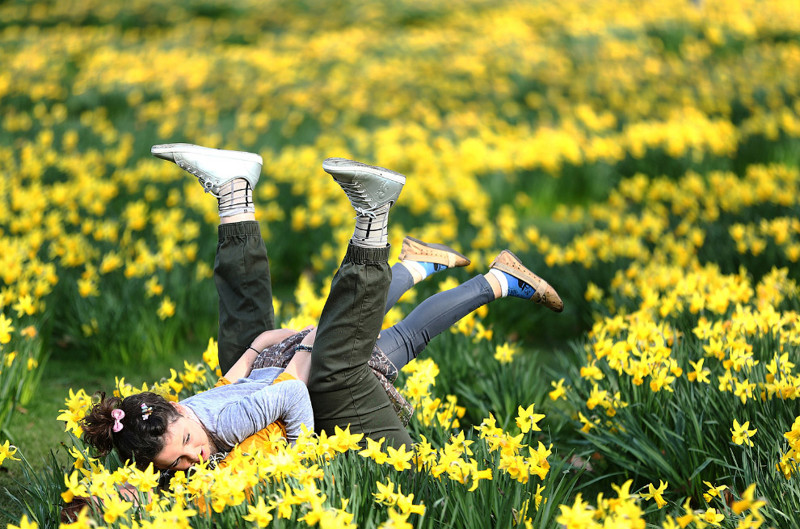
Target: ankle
{"points": [[497, 288], [235, 198], [372, 231], [511, 285], [238, 217], [415, 269], [421, 269]]}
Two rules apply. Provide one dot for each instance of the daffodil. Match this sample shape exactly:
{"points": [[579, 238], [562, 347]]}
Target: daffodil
{"points": [[699, 373], [7, 451], [398, 458], [74, 487], [24, 523], [166, 309], [25, 306], [385, 492], [153, 287], [260, 514], [211, 355], [343, 440], [505, 353], [373, 451], [580, 514], [712, 516], [83, 521], [655, 493], [741, 434], [397, 520], [113, 510], [713, 491], [688, 516], [748, 502], [527, 420], [558, 391], [5, 329], [144, 480]]}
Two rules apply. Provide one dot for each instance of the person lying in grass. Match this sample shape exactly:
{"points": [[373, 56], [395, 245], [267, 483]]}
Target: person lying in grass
{"points": [[338, 374]]}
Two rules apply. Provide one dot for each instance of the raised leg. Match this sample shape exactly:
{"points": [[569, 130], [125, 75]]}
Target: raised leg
{"points": [[507, 276], [343, 389], [241, 267], [242, 277], [402, 281], [418, 260], [402, 342]]}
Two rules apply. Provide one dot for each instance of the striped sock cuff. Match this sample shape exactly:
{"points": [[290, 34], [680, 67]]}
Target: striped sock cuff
{"points": [[502, 278]]}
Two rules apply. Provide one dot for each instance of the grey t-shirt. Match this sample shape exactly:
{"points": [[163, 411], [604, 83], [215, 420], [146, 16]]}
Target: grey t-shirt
{"points": [[236, 411]]}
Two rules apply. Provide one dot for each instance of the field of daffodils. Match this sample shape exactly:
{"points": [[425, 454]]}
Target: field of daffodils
{"points": [[642, 156]]}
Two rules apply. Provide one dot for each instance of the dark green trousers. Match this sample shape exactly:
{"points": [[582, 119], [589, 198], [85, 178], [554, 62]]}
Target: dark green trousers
{"points": [[241, 273], [343, 388]]}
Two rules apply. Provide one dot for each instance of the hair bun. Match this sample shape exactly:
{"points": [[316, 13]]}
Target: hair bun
{"points": [[98, 425]]}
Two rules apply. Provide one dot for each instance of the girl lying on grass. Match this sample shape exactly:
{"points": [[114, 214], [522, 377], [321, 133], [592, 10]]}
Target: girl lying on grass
{"points": [[338, 374]]}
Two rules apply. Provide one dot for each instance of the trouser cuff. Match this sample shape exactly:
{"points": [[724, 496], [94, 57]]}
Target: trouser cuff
{"points": [[360, 255], [233, 229]]}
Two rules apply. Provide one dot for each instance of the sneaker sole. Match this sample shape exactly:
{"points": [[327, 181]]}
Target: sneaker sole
{"points": [[545, 294], [416, 250], [167, 149], [335, 166]]}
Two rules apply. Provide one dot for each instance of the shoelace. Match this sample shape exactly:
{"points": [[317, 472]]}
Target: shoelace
{"points": [[358, 198], [207, 184]]}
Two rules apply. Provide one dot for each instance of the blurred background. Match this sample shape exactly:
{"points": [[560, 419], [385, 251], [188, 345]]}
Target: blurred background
{"points": [[544, 127]]}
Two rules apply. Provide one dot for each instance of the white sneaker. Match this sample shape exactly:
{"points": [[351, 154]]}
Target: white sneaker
{"points": [[213, 167], [368, 187]]}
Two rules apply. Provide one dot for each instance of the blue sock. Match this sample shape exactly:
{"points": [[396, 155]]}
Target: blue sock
{"points": [[518, 288], [423, 268], [431, 268], [511, 286]]}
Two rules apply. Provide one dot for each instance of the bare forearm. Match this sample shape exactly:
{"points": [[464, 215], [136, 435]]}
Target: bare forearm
{"points": [[267, 338], [300, 364], [244, 365]]}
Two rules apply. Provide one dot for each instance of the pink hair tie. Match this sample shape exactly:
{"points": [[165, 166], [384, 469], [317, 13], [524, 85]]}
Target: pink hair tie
{"points": [[118, 415]]}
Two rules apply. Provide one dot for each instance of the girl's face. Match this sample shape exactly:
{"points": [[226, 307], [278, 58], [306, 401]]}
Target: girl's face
{"points": [[185, 443]]}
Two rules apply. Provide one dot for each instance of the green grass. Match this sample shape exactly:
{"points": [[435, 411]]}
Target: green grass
{"points": [[35, 429]]}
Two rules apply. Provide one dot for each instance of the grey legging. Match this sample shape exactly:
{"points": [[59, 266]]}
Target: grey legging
{"points": [[404, 341]]}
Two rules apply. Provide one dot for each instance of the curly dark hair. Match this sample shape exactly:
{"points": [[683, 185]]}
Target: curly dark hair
{"points": [[140, 439]]}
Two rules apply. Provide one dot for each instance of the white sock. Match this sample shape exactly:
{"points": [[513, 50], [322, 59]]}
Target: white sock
{"points": [[502, 279], [372, 231], [416, 270]]}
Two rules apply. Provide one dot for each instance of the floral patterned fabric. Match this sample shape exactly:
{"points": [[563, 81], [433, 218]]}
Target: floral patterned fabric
{"points": [[280, 354]]}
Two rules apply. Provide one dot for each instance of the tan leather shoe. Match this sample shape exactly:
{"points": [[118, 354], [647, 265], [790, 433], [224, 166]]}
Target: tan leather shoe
{"points": [[542, 293], [416, 250]]}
